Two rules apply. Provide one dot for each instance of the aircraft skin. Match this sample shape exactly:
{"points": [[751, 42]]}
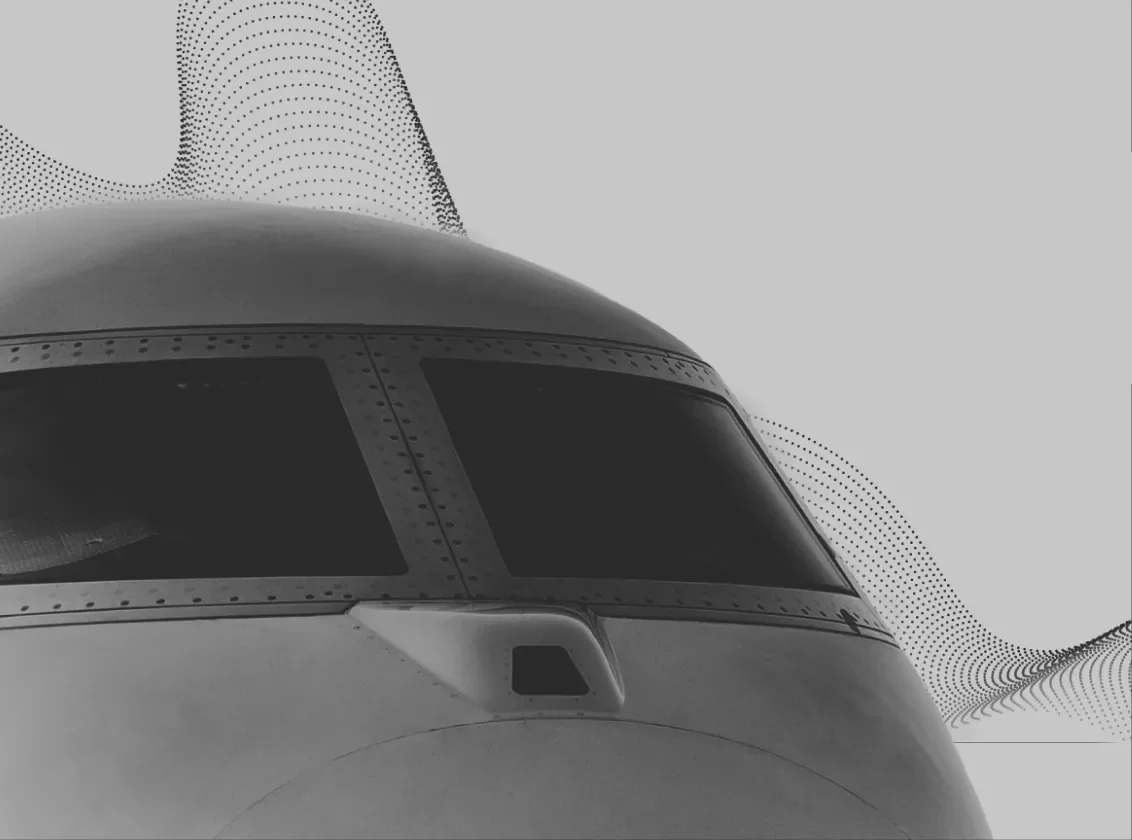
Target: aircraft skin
{"points": [[389, 706]]}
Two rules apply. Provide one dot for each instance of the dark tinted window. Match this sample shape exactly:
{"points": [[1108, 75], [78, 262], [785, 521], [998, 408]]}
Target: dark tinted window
{"points": [[587, 474], [182, 469]]}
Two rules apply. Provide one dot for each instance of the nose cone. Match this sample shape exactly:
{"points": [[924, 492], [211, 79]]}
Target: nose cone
{"points": [[561, 778]]}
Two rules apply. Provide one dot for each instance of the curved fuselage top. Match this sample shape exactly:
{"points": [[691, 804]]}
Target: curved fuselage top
{"points": [[212, 263]]}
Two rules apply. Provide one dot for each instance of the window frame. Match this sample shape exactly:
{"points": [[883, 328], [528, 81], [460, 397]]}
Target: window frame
{"points": [[437, 521], [363, 398], [399, 358], [680, 391]]}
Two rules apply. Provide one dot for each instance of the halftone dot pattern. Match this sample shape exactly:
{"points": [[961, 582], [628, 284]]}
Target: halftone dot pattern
{"points": [[969, 670], [281, 101]]}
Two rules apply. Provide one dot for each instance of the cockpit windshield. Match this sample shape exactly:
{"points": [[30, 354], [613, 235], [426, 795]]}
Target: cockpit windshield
{"points": [[593, 474], [215, 468]]}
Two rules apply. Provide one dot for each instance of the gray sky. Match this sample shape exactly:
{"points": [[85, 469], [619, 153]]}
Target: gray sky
{"points": [[901, 229]]}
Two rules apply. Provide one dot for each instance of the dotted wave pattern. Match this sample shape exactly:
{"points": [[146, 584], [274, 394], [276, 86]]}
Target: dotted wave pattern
{"points": [[284, 102], [970, 672]]}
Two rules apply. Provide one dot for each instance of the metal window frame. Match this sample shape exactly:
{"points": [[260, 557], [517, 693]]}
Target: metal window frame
{"points": [[363, 398], [442, 532], [398, 358]]}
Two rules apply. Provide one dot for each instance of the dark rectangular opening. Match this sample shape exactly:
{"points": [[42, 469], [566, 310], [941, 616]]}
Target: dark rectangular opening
{"points": [[545, 670]]}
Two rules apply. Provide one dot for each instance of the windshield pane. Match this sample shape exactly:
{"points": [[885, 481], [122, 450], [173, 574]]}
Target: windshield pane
{"points": [[215, 468], [589, 474]]}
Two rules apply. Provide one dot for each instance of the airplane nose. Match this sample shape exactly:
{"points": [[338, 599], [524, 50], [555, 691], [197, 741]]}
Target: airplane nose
{"points": [[558, 777]]}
